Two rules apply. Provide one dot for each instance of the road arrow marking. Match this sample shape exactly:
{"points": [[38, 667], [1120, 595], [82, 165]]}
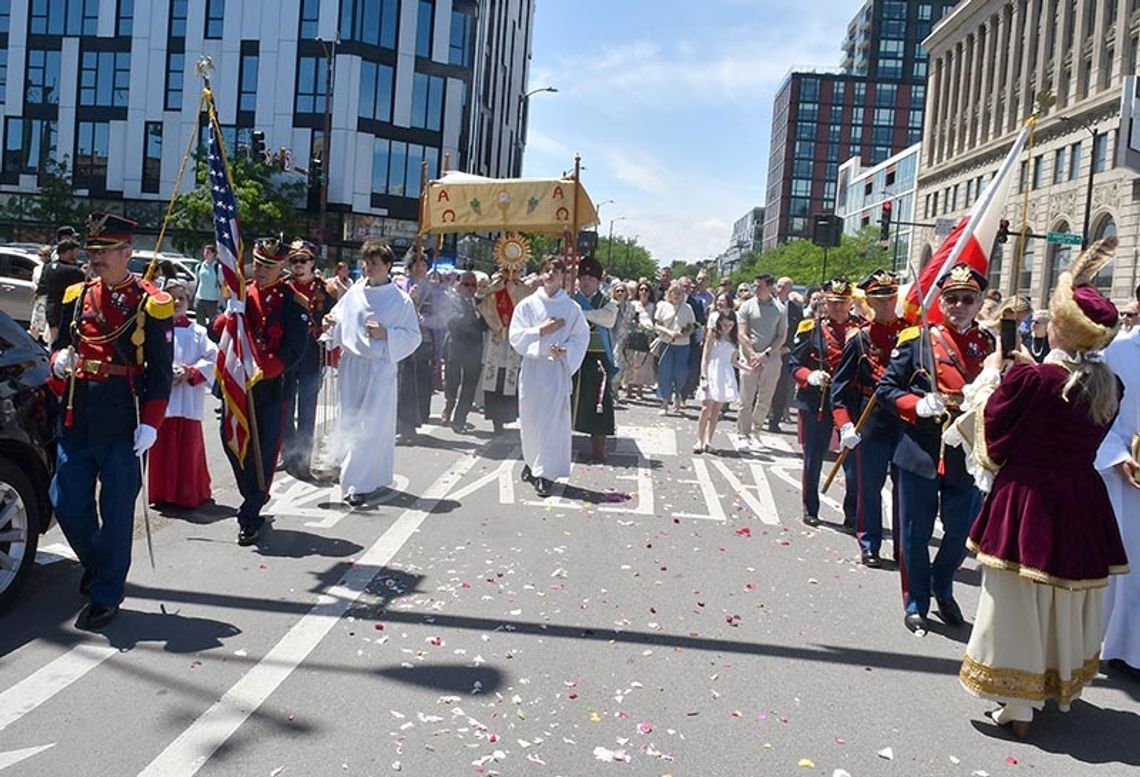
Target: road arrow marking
{"points": [[13, 757]]}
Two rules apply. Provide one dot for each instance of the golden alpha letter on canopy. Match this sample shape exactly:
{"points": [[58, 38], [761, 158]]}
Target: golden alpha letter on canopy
{"points": [[460, 202]]}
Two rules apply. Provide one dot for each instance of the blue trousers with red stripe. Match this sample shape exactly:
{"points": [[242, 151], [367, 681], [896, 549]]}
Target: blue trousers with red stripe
{"points": [[873, 460], [817, 437]]}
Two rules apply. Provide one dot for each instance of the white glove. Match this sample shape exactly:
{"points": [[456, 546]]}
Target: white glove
{"points": [[817, 378], [931, 405], [848, 437], [235, 305], [64, 363], [145, 437]]}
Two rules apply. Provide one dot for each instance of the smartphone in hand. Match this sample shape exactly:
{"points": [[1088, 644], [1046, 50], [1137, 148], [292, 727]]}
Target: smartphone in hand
{"points": [[1008, 335]]}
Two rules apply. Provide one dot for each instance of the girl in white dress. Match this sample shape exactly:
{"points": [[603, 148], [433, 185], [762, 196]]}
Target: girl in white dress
{"points": [[718, 371]]}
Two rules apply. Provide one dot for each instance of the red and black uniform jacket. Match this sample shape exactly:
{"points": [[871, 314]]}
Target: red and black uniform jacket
{"points": [[865, 358], [812, 339]]}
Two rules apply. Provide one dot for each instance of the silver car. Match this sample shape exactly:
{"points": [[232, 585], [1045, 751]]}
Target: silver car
{"points": [[17, 271]]}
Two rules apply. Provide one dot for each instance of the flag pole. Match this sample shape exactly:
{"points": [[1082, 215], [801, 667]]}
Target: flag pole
{"points": [[150, 269]]}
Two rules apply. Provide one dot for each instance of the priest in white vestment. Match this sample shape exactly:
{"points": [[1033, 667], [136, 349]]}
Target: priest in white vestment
{"points": [[374, 325], [1118, 465], [550, 332]]}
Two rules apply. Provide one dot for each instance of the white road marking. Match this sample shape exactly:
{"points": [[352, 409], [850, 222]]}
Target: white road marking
{"points": [[334, 510], [766, 514], [504, 474], [13, 757], [194, 746], [783, 474], [775, 442], [712, 499], [644, 478], [54, 553], [46, 682], [646, 441], [764, 493]]}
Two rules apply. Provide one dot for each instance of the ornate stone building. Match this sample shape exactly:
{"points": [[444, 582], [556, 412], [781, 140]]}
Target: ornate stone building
{"points": [[989, 60]]}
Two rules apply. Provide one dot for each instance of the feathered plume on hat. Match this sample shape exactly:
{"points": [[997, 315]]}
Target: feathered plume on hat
{"points": [[1081, 315]]}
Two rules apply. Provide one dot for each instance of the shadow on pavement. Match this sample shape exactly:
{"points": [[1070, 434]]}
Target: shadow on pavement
{"points": [[181, 634], [290, 543], [211, 512], [1079, 733], [462, 680]]}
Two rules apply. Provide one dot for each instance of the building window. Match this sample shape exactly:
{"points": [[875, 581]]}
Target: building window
{"points": [[969, 192], [1059, 165], [427, 101], [838, 91], [5, 16], [312, 77], [1074, 161], [809, 90], [1025, 277], [152, 157], [459, 46], [884, 117], [915, 120], [310, 18], [894, 10], [801, 188], [1023, 177], [215, 18], [994, 271], [175, 67], [125, 22], [370, 21], [64, 17], [104, 79], [3, 71], [1100, 152], [1060, 257], [376, 92], [42, 78], [28, 143], [425, 22], [178, 18], [92, 144], [805, 130], [247, 95], [1106, 227]]}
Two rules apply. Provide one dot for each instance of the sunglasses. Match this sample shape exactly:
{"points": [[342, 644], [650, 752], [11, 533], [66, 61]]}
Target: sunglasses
{"points": [[469, 283], [299, 260], [964, 299], [1129, 315]]}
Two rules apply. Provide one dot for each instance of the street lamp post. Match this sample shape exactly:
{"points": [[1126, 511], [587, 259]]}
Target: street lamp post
{"points": [[1096, 133], [610, 246], [326, 159], [526, 122]]}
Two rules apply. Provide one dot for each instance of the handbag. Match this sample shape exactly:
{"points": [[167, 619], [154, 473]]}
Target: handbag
{"points": [[658, 347], [637, 341]]}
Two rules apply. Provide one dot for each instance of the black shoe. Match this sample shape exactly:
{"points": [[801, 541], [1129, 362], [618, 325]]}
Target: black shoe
{"points": [[847, 528], [86, 581], [97, 616], [459, 428], [247, 537], [527, 476], [916, 624], [810, 520], [497, 426], [774, 428], [542, 487], [354, 500], [871, 559], [950, 612]]}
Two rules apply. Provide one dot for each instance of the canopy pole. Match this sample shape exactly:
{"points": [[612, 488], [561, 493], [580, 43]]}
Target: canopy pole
{"points": [[419, 244], [572, 240]]}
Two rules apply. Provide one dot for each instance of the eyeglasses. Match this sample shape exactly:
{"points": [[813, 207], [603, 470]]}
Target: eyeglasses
{"points": [[643, 290], [964, 299], [1129, 315]]}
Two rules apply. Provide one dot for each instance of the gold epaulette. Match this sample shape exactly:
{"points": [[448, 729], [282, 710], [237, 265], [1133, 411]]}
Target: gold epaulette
{"points": [[159, 304], [910, 333], [806, 325], [72, 292]]}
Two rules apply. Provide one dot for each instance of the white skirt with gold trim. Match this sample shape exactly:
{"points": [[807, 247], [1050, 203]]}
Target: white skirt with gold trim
{"points": [[1032, 642]]}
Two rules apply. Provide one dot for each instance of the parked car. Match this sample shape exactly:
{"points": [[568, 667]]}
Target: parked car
{"points": [[27, 454], [140, 260], [17, 268]]}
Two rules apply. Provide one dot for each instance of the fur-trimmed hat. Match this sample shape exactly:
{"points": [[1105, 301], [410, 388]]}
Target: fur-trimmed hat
{"points": [[1082, 316]]}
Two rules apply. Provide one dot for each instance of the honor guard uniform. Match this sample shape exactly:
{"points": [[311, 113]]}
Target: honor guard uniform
{"points": [[114, 354], [930, 473], [278, 325], [815, 355], [303, 384], [865, 358], [593, 396]]}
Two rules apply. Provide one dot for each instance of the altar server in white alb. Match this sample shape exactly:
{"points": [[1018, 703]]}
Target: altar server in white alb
{"points": [[178, 474], [1119, 463], [550, 332], [374, 326]]}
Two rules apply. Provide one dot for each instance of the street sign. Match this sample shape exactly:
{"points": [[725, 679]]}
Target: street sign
{"points": [[943, 227], [1064, 238]]}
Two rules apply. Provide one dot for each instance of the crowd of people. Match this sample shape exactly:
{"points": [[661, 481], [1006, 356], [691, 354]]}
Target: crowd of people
{"points": [[1020, 445]]}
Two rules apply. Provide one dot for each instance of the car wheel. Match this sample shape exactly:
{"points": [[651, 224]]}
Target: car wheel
{"points": [[19, 529]]}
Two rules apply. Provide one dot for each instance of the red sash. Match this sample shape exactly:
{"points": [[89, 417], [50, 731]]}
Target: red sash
{"points": [[504, 305]]}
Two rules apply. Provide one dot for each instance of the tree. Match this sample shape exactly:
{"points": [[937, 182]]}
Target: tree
{"points": [[624, 258], [267, 204], [55, 203], [802, 260]]}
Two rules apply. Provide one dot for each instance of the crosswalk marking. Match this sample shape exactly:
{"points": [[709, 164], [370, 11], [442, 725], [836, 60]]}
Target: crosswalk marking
{"points": [[646, 441], [46, 682], [54, 553]]}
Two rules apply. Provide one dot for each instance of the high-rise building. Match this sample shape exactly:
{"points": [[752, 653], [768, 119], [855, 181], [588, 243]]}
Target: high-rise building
{"points": [[111, 84], [871, 108], [746, 236], [989, 62]]}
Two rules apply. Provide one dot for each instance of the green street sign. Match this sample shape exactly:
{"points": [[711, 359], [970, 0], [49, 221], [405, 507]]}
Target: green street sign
{"points": [[1064, 238]]}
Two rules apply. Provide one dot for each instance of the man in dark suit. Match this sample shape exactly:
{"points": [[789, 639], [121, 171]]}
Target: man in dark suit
{"points": [[463, 354]]}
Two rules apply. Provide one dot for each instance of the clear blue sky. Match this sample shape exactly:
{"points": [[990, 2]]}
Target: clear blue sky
{"points": [[670, 105]]}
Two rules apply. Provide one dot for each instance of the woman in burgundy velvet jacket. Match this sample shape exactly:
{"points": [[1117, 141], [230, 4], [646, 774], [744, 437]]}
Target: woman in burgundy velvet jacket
{"points": [[1046, 538]]}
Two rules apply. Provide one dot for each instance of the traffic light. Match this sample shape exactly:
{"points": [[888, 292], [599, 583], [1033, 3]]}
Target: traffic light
{"points": [[1003, 231], [885, 221], [316, 171], [257, 137]]}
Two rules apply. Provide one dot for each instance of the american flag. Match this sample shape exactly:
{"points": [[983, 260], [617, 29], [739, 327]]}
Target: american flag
{"points": [[237, 368]]}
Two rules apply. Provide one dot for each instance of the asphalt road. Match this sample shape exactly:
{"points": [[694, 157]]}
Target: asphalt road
{"points": [[664, 614]]}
